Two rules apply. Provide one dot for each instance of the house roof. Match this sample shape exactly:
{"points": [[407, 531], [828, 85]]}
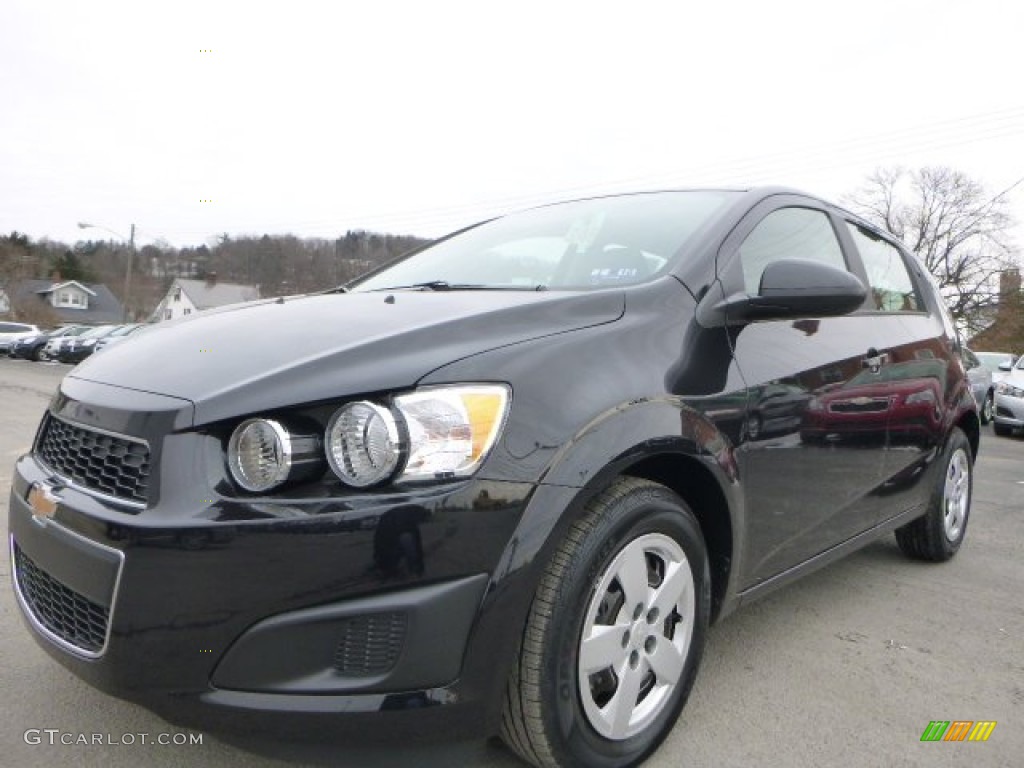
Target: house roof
{"points": [[103, 305], [206, 295], [57, 286]]}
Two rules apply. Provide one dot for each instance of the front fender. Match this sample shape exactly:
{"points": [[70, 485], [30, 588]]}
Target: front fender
{"points": [[638, 429]]}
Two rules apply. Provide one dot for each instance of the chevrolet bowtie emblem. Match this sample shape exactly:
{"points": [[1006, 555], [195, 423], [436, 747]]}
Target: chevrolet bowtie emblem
{"points": [[43, 501]]}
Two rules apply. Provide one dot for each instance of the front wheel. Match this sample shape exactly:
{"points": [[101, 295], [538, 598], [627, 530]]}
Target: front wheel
{"points": [[615, 633], [986, 409], [939, 533]]}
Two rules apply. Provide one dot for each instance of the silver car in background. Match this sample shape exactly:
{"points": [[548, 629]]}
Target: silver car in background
{"points": [[11, 332], [982, 384], [1009, 400], [995, 362]]}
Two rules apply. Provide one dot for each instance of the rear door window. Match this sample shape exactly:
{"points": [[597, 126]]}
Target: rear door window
{"points": [[891, 288]]}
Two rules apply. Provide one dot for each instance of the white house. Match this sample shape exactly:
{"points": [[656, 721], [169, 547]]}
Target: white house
{"points": [[72, 301], [69, 295], [186, 297]]}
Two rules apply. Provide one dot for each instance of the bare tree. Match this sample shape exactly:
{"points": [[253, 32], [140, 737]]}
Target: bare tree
{"points": [[19, 260], [958, 230]]}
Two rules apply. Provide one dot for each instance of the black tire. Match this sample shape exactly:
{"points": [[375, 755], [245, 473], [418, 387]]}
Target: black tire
{"points": [[553, 712], [938, 534], [987, 407], [1001, 429], [37, 354]]}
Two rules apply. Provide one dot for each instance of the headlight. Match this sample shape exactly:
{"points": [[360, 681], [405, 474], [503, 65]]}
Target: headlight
{"points": [[450, 429], [924, 396], [1004, 388], [260, 454], [434, 433], [362, 444]]}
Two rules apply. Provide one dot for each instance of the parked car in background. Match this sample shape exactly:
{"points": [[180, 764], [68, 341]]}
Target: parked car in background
{"points": [[995, 362], [501, 485], [899, 400], [982, 383], [74, 349], [34, 347], [12, 332], [1009, 402], [117, 335], [53, 344]]}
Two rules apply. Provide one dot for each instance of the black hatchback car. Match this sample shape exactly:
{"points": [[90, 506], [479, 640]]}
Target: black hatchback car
{"points": [[501, 485]]}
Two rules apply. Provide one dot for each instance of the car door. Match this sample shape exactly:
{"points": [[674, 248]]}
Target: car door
{"points": [[924, 373], [810, 481]]}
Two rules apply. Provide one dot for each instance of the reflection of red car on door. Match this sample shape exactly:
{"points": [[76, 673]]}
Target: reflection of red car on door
{"points": [[902, 399]]}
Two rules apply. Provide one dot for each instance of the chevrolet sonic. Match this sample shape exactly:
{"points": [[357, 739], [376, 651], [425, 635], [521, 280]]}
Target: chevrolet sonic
{"points": [[501, 485]]}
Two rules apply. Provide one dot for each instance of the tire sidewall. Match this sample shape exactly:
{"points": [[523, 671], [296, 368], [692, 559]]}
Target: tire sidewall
{"points": [[957, 441], [645, 510]]}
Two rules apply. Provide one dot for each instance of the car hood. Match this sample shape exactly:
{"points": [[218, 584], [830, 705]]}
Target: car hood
{"points": [[264, 355]]}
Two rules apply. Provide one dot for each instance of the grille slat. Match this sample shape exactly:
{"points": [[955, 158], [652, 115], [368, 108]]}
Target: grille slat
{"points": [[103, 463], [67, 614]]}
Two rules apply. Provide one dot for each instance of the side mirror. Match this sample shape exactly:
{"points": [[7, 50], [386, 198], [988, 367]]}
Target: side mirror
{"points": [[790, 289]]}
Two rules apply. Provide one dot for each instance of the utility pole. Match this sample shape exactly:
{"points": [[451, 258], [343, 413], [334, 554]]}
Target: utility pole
{"points": [[128, 276], [126, 311]]}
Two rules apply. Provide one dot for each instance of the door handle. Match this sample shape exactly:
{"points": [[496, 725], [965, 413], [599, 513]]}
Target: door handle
{"points": [[875, 360]]}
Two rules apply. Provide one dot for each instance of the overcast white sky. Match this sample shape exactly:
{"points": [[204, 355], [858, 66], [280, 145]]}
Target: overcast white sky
{"points": [[313, 118]]}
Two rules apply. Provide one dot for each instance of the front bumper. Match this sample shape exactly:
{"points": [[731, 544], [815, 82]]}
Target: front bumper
{"points": [[1009, 411], [310, 617]]}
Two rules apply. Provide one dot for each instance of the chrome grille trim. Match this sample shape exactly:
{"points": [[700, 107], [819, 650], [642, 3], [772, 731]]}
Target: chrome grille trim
{"points": [[38, 624], [50, 454]]}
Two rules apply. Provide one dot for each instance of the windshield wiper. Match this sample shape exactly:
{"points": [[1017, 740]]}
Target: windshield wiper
{"points": [[444, 285]]}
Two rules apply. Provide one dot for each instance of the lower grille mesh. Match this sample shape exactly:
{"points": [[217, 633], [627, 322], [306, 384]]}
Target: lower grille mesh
{"points": [[67, 614], [370, 644]]}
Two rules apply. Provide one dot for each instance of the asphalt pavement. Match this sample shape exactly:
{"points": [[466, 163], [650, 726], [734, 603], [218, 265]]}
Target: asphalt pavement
{"points": [[845, 668]]}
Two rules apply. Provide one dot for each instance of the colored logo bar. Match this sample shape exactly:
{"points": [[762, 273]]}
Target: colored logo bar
{"points": [[958, 730]]}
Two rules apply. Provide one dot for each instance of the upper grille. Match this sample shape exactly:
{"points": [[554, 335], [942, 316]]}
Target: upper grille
{"points": [[67, 614], [370, 643], [110, 465], [874, 405]]}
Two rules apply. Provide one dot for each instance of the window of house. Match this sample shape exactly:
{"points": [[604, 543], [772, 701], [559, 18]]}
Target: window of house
{"points": [[69, 299], [788, 233], [177, 294], [892, 290], [188, 311]]}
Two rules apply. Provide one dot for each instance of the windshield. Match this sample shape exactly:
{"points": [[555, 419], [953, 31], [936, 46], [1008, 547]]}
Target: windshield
{"points": [[584, 244], [991, 361], [914, 369]]}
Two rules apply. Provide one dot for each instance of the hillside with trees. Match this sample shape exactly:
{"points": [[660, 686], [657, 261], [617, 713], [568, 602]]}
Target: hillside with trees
{"points": [[278, 264]]}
